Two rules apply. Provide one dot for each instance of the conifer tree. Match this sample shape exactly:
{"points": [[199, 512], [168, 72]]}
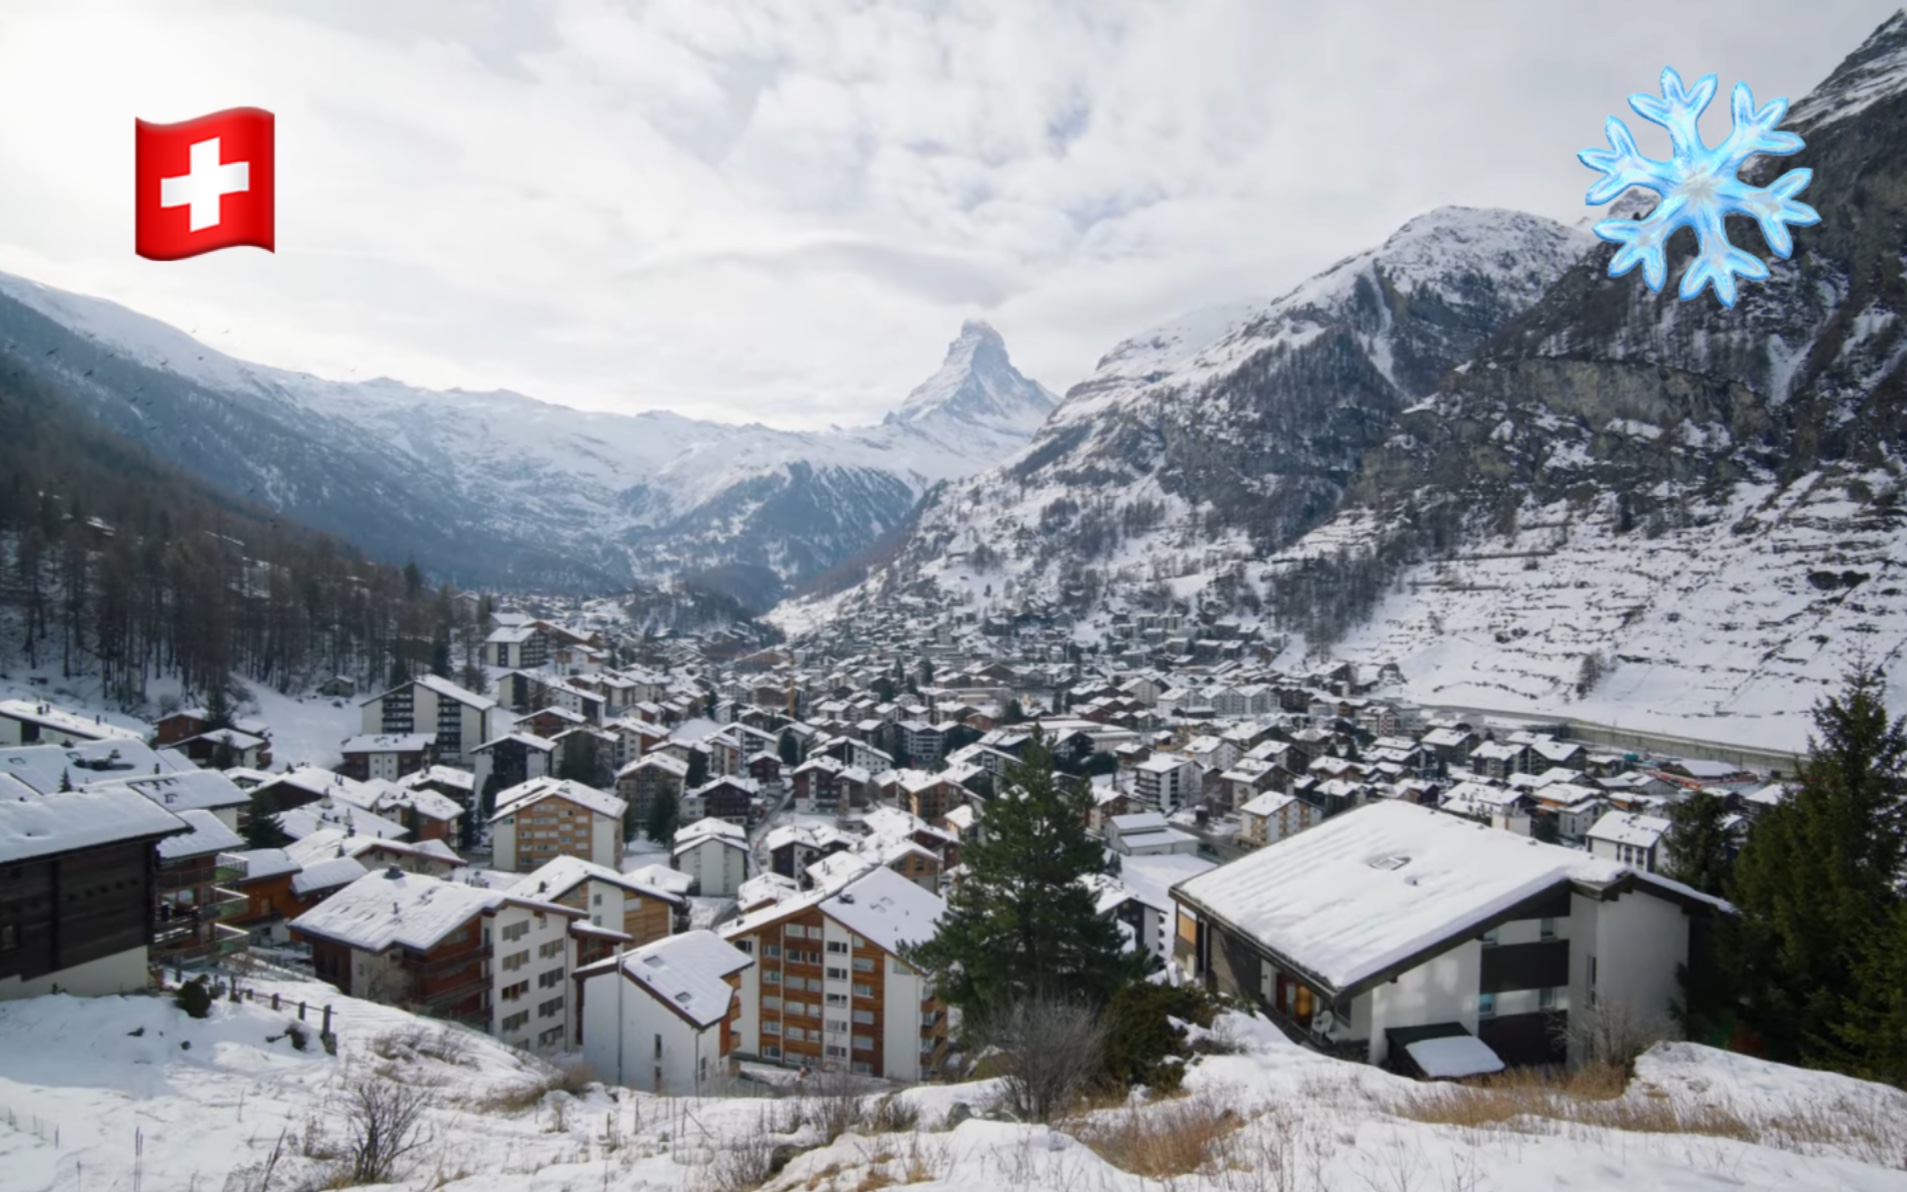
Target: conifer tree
{"points": [[1817, 886], [665, 813], [1700, 843], [1022, 925]]}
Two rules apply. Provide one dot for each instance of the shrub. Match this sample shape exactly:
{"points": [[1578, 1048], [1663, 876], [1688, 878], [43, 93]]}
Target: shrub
{"points": [[1050, 1051], [195, 998], [1143, 1045], [1160, 1141]]}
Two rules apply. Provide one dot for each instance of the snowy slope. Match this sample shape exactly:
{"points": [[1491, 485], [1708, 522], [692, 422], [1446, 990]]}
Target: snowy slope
{"points": [[128, 1092], [1230, 431], [572, 497]]}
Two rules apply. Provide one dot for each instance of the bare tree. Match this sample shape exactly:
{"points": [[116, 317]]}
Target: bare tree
{"points": [[1051, 1051], [1612, 1031], [384, 1121]]}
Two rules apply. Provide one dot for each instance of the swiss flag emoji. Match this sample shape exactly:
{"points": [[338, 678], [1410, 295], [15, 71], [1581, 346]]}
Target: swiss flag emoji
{"points": [[203, 184]]}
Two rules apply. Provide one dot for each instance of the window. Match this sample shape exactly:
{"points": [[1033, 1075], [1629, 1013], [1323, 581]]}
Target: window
{"points": [[516, 960], [838, 1025], [513, 932], [837, 946], [837, 974], [836, 1051], [863, 990], [1549, 929], [550, 1038], [771, 976], [770, 1051], [795, 931], [864, 1017], [863, 964], [1486, 1005], [771, 951], [863, 1043], [859, 942], [747, 945], [516, 1021], [550, 1009], [837, 999], [1546, 998], [596, 900], [513, 992], [658, 1045], [771, 1027], [771, 1003], [553, 948], [551, 978]]}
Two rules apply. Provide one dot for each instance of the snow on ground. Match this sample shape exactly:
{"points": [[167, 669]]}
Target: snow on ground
{"points": [[85, 1081], [305, 729]]}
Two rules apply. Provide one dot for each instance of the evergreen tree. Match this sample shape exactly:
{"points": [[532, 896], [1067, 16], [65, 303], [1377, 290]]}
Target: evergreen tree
{"points": [[665, 812], [1700, 843], [1817, 884], [1543, 827], [926, 672], [1022, 924], [262, 831], [698, 770], [1014, 713], [789, 749], [400, 673], [66, 781]]}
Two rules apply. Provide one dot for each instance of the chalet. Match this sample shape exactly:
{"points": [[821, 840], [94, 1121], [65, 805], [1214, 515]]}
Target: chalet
{"points": [[641, 782], [77, 889], [1503, 807], [724, 798], [661, 1018], [460, 719], [338, 687], [715, 853], [1630, 840], [447, 950], [546, 818], [830, 990], [817, 784], [193, 790], [192, 903], [641, 912], [1692, 773], [1572, 807], [1395, 923], [517, 647], [511, 760], [1272, 816], [389, 756], [227, 748], [448, 781], [547, 722], [792, 848], [1452, 746], [1139, 896], [24, 722], [921, 794]]}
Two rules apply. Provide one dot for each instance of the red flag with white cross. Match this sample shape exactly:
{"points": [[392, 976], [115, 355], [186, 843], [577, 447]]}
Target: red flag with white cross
{"points": [[203, 184]]}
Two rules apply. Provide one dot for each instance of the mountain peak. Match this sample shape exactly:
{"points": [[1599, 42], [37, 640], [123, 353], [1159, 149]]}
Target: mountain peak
{"points": [[978, 385]]}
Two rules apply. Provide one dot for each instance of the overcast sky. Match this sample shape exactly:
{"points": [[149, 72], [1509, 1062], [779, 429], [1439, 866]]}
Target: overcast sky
{"points": [[781, 210]]}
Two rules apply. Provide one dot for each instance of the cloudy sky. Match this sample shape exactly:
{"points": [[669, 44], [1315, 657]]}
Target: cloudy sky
{"points": [[781, 210]]}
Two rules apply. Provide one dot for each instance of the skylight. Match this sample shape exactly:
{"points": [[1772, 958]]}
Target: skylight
{"points": [[1395, 861]]}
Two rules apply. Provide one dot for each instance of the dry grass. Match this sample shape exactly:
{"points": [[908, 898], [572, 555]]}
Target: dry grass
{"points": [[1164, 1139], [573, 1079], [1602, 1098]]}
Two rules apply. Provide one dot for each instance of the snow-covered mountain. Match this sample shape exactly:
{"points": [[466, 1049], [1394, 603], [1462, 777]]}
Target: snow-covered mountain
{"points": [[499, 488], [1232, 430], [1473, 454]]}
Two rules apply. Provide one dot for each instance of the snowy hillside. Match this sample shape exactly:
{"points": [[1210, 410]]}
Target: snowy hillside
{"points": [[128, 1092], [498, 488], [1233, 430]]}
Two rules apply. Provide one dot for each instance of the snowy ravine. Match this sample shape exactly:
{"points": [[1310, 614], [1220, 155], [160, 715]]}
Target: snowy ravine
{"points": [[500, 489], [118, 1093]]}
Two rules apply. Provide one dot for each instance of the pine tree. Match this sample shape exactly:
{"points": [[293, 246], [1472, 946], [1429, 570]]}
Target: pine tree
{"points": [[1817, 882], [1700, 842], [1014, 713], [789, 750], [1022, 924], [665, 812], [698, 770]]}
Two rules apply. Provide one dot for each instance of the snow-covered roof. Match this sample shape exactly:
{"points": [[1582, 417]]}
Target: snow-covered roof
{"points": [[1139, 821], [300, 822], [836, 870], [42, 825], [703, 830], [1268, 804], [1452, 1056], [208, 835], [232, 737], [886, 909], [59, 719], [1149, 878], [1376, 885], [444, 687], [688, 973], [261, 863], [1155, 838], [328, 874], [188, 790], [559, 876], [1163, 763], [811, 835], [86, 763], [1622, 827], [442, 775], [524, 794], [392, 908], [530, 740], [662, 877]]}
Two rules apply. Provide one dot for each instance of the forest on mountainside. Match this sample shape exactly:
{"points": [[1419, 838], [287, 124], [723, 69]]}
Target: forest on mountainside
{"points": [[115, 562]]}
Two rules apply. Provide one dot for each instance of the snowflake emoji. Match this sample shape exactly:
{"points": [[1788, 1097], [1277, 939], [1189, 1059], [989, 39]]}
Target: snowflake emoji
{"points": [[1699, 188]]}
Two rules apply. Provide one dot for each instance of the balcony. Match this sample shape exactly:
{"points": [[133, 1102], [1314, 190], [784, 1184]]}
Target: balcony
{"points": [[929, 1020]]}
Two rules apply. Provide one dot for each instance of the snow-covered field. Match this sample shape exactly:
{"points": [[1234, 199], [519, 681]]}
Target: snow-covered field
{"points": [[122, 1093]]}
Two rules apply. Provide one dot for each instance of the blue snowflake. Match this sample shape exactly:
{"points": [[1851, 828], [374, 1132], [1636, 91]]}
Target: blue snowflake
{"points": [[1699, 188]]}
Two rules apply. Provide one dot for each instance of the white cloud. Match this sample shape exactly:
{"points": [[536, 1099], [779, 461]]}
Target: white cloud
{"points": [[782, 211]]}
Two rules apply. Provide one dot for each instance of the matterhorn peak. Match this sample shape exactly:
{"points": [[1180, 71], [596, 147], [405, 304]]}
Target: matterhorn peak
{"points": [[977, 385]]}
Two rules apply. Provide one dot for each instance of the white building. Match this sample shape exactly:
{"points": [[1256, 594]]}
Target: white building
{"points": [[1394, 923], [658, 1018], [1147, 833], [545, 818], [715, 853], [1273, 816], [1165, 783], [1630, 839], [460, 719]]}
